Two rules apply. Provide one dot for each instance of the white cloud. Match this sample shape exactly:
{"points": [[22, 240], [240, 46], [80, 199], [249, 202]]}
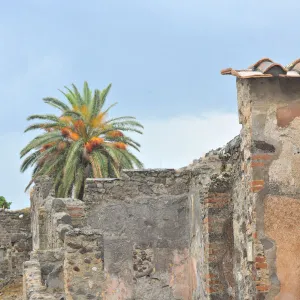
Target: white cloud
{"points": [[176, 142]]}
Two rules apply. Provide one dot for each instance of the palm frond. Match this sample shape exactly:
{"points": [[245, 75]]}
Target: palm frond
{"points": [[95, 104], [108, 109], [41, 126], [40, 140], [87, 94], [53, 118], [103, 96], [125, 118], [99, 164], [70, 96], [56, 103], [75, 115], [73, 152], [128, 123], [30, 160], [79, 99], [124, 128]]}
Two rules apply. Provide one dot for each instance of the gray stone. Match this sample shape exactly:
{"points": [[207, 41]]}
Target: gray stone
{"points": [[62, 229]]}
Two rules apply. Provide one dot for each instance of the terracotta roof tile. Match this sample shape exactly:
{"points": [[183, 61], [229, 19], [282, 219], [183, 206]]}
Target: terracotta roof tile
{"points": [[266, 67], [265, 59]]}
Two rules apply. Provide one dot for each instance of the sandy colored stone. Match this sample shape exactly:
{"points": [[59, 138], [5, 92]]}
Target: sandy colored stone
{"points": [[282, 224], [13, 291], [285, 115]]}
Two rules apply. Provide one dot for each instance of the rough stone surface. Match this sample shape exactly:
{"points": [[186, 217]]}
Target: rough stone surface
{"points": [[83, 265], [269, 182], [143, 218], [282, 225], [15, 243], [152, 234]]}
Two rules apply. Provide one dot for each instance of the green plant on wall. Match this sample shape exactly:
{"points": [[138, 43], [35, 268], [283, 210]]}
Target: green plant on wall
{"points": [[4, 203]]}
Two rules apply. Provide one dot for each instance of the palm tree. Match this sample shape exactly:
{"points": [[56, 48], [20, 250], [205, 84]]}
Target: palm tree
{"points": [[81, 142]]}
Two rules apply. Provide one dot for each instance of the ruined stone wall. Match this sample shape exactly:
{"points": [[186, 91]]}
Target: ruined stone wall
{"points": [[244, 209], [168, 232], [45, 275], [200, 222], [15, 243], [211, 218], [42, 190], [144, 220], [152, 234], [267, 201]]}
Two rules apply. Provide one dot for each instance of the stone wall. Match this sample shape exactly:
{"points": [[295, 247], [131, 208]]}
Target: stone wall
{"points": [[144, 220], [211, 218], [152, 234], [42, 190], [15, 243], [266, 199], [45, 275]]}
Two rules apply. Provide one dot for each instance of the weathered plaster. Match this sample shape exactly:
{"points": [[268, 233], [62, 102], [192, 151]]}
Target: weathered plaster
{"points": [[282, 224]]}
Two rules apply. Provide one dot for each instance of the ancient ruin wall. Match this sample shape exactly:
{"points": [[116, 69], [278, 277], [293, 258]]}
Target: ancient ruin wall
{"points": [[181, 220], [152, 234], [211, 209], [267, 198], [15, 243], [144, 221]]}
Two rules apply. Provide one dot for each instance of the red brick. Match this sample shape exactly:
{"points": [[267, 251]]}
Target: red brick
{"points": [[211, 200], [210, 275], [260, 259], [261, 265], [257, 182], [262, 288], [254, 235], [216, 202], [76, 215], [261, 156], [257, 164], [256, 189], [75, 208]]}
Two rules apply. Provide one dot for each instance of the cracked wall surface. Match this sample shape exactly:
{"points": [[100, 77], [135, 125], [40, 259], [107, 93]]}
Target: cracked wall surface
{"points": [[15, 243], [267, 195], [145, 212], [151, 234]]}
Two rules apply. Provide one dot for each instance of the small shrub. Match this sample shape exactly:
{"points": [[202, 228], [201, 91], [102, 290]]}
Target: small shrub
{"points": [[4, 203]]}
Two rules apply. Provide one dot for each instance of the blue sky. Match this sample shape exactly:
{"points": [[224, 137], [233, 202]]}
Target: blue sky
{"points": [[163, 58]]}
